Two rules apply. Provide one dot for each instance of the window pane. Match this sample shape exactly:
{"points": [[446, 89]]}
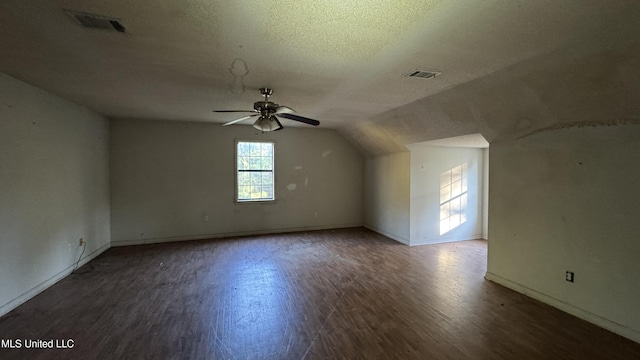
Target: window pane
{"points": [[265, 163], [243, 192], [257, 163], [267, 178], [256, 178], [244, 178], [267, 150], [254, 149], [267, 192], [243, 149]]}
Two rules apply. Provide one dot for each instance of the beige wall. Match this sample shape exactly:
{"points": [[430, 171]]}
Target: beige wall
{"points": [[427, 163], [175, 181], [54, 189], [568, 200], [387, 195]]}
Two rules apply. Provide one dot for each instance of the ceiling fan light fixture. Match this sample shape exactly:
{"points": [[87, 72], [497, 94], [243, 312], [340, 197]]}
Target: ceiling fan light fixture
{"points": [[269, 123]]}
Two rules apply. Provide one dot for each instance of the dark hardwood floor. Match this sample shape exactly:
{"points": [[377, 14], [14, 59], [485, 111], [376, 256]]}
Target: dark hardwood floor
{"points": [[337, 294]]}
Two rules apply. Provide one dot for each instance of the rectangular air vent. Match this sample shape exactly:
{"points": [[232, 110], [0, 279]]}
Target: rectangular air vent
{"points": [[422, 74], [97, 21]]}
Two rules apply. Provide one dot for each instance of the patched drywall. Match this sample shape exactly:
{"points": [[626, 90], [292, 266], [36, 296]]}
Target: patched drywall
{"points": [[567, 200], [176, 181], [54, 189]]}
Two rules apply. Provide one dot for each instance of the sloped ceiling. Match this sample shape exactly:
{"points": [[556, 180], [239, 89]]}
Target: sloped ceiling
{"points": [[508, 67]]}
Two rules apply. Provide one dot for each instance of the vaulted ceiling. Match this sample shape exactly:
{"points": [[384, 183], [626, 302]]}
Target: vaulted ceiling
{"points": [[508, 67]]}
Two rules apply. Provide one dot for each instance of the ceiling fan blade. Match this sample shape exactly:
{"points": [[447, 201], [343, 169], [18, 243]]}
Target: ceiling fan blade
{"points": [[233, 111], [284, 110], [238, 120], [300, 119]]}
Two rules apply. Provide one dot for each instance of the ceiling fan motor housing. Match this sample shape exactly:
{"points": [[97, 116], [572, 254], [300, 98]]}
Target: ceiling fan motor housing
{"points": [[265, 107]]}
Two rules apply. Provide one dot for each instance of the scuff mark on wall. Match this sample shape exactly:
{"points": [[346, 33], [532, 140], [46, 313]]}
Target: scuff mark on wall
{"points": [[326, 153], [292, 186], [306, 181], [581, 124], [299, 167]]}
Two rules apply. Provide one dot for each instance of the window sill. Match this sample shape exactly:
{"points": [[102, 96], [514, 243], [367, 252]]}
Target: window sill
{"points": [[264, 202]]}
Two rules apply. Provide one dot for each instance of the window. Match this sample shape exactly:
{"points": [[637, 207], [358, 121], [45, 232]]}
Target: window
{"points": [[254, 171], [453, 198]]}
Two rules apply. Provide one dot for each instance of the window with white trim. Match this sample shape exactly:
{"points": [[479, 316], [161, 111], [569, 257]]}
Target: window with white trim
{"points": [[254, 171]]}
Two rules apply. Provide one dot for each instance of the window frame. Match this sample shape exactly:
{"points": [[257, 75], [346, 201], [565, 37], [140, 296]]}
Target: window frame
{"points": [[238, 171]]}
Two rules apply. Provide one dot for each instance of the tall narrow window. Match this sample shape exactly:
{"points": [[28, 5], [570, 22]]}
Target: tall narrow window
{"points": [[254, 171], [453, 198]]}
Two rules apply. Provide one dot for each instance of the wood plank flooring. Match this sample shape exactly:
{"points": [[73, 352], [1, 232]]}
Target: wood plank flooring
{"points": [[335, 294]]}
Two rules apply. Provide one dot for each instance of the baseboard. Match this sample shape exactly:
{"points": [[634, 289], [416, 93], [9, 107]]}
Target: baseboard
{"points": [[446, 240], [228, 234], [6, 308], [566, 307], [399, 239]]}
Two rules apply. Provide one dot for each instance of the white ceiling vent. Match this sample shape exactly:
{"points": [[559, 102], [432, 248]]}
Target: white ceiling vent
{"points": [[422, 74], [97, 21]]}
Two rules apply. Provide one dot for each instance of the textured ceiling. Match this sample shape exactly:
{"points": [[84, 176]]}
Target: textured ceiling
{"points": [[340, 62]]}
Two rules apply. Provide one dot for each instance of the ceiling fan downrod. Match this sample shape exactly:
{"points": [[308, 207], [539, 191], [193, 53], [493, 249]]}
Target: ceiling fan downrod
{"points": [[266, 92]]}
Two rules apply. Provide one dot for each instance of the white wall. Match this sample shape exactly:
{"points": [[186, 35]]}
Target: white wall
{"points": [[568, 200], [166, 176], [427, 163], [53, 189], [387, 195]]}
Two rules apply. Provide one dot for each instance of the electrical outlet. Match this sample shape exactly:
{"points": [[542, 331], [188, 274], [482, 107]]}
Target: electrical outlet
{"points": [[569, 276], [82, 242]]}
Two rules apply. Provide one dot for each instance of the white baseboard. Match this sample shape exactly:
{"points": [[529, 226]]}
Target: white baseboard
{"points": [[228, 234], [446, 240], [399, 239], [6, 308], [566, 307]]}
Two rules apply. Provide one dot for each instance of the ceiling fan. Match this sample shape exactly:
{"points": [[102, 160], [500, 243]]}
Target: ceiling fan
{"points": [[266, 112]]}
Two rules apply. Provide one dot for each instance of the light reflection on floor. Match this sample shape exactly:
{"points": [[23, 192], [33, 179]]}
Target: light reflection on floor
{"points": [[256, 292]]}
